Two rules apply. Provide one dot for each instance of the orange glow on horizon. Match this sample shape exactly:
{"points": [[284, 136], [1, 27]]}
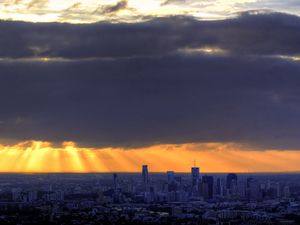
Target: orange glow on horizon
{"points": [[35, 156]]}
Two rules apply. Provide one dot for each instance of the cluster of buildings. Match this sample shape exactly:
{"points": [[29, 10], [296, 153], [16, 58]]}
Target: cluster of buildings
{"points": [[211, 187], [150, 198]]}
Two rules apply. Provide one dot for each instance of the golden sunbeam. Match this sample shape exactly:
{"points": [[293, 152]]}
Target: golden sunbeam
{"points": [[41, 157]]}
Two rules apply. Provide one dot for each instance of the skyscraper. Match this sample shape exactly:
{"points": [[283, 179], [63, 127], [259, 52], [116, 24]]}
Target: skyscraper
{"points": [[253, 189], [231, 185], [207, 186], [231, 180], [145, 175], [115, 176], [170, 176], [219, 188], [195, 172]]}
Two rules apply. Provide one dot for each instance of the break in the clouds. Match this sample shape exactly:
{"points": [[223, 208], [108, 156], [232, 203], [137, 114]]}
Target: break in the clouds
{"points": [[78, 11], [168, 80]]}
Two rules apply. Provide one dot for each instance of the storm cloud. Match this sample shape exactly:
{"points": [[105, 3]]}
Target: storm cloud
{"points": [[129, 85], [262, 34]]}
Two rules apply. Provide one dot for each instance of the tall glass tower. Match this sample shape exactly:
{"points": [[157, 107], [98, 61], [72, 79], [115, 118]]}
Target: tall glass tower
{"points": [[145, 175], [195, 172]]}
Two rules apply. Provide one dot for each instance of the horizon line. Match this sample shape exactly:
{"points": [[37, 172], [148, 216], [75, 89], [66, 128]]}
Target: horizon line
{"points": [[154, 172]]}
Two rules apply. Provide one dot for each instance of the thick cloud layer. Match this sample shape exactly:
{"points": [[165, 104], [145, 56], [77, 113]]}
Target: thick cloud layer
{"points": [[247, 34], [135, 89]]}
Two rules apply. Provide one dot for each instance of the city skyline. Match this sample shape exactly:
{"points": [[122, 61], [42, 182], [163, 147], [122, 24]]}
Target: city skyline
{"points": [[150, 198]]}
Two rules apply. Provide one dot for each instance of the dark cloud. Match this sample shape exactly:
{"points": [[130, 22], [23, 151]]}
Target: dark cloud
{"points": [[248, 34], [127, 85], [142, 101], [112, 9]]}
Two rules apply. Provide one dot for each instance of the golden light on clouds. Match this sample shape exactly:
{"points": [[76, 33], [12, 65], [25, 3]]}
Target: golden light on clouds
{"points": [[76, 11], [211, 157], [204, 51], [295, 58]]}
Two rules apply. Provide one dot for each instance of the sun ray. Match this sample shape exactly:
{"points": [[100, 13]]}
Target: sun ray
{"points": [[37, 156]]}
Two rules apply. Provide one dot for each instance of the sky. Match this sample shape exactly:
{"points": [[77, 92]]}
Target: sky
{"points": [[102, 86]]}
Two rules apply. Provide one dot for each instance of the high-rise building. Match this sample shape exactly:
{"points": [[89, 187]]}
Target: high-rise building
{"points": [[242, 189], [170, 176], [115, 176], [253, 189], [195, 172], [219, 187], [278, 190], [172, 185], [231, 181], [286, 191], [145, 175], [231, 185], [207, 187]]}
